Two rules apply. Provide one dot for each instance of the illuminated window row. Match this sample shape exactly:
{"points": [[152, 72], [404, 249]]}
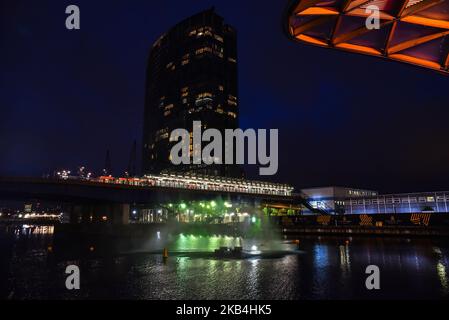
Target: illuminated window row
{"points": [[205, 31], [204, 183]]}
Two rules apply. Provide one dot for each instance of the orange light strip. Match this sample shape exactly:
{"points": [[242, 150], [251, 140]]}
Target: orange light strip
{"points": [[309, 39], [427, 22], [363, 49], [415, 42], [318, 11], [416, 61]]}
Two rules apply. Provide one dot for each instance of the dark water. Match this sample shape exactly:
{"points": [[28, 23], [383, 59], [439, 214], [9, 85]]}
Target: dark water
{"points": [[323, 268]]}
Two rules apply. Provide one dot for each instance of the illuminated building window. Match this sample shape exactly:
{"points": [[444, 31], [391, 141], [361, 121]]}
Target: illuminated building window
{"points": [[201, 32], [167, 113], [232, 60], [206, 31], [221, 88], [161, 134], [184, 62], [217, 50], [232, 100], [203, 98], [162, 130], [158, 41], [205, 94], [168, 107], [203, 50], [162, 137], [232, 114], [219, 38]]}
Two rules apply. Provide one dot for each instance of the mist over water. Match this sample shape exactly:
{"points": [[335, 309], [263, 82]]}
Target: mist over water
{"points": [[261, 235], [192, 243]]}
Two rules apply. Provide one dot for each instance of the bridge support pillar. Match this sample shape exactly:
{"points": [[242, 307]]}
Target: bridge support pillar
{"points": [[120, 213]]}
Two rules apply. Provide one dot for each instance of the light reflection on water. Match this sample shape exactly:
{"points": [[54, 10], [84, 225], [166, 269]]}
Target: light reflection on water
{"points": [[441, 268], [192, 243], [321, 269]]}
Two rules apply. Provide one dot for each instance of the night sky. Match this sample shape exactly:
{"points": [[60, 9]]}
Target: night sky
{"points": [[344, 119]]}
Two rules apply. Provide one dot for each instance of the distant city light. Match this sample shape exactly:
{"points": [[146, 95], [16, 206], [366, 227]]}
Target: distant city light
{"points": [[64, 174]]}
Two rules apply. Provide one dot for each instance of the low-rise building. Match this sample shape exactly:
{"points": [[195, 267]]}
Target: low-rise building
{"points": [[341, 200]]}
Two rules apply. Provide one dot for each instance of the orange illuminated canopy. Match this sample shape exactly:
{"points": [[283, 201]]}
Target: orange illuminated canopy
{"points": [[411, 31]]}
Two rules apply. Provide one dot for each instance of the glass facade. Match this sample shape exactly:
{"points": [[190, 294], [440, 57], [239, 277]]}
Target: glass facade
{"points": [[191, 76]]}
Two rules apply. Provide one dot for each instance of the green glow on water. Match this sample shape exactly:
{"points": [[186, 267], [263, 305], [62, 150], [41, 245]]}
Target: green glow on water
{"points": [[194, 243]]}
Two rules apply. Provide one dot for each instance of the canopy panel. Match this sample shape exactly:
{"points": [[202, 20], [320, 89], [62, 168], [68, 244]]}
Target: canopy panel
{"points": [[411, 31]]}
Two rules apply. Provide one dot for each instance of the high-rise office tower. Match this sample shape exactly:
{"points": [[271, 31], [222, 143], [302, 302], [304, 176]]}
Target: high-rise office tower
{"points": [[191, 76]]}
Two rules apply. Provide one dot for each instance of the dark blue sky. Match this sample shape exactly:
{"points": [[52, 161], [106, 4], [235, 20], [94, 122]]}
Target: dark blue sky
{"points": [[344, 119]]}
